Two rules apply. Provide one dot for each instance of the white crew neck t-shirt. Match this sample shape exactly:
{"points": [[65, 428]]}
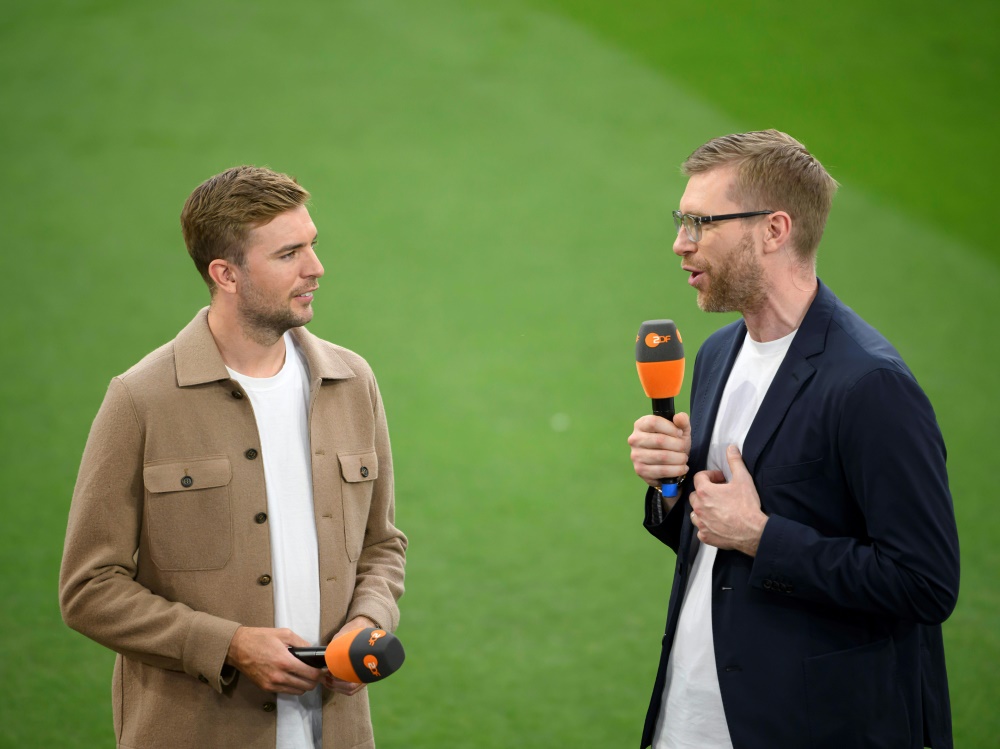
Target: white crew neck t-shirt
{"points": [[280, 406], [692, 715]]}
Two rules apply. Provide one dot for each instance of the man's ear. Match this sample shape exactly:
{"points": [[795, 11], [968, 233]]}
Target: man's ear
{"points": [[778, 231], [223, 274]]}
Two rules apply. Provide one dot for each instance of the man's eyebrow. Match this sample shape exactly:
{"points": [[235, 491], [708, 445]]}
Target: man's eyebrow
{"points": [[294, 246]]}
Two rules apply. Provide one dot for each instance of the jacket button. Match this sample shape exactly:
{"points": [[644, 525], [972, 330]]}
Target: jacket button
{"points": [[268, 707], [260, 517], [238, 395], [264, 580], [250, 454], [364, 472], [187, 481]]}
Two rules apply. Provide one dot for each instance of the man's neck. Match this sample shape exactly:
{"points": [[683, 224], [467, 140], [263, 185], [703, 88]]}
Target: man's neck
{"points": [[246, 355], [783, 310]]}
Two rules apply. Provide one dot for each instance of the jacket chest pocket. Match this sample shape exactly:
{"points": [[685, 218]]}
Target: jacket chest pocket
{"points": [[358, 471], [188, 514]]}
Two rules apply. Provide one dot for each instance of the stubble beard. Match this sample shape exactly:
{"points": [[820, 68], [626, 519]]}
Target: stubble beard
{"points": [[738, 284], [264, 322]]}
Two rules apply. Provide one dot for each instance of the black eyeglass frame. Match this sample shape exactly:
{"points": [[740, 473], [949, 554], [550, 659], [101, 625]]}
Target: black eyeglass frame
{"points": [[697, 221]]}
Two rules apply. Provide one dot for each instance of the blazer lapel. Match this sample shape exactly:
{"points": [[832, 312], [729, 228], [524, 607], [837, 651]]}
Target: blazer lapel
{"points": [[792, 375], [795, 371]]}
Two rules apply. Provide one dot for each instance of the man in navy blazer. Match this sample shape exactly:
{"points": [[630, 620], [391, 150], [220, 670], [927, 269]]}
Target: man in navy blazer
{"points": [[817, 551]]}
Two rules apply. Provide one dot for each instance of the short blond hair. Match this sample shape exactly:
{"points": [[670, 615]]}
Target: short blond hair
{"points": [[218, 216], [774, 172]]}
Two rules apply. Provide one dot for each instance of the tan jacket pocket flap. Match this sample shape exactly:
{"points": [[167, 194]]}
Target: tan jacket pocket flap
{"points": [[361, 466], [187, 475]]}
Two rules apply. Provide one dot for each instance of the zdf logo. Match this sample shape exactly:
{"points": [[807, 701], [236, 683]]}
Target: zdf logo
{"points": [[655, 339]]}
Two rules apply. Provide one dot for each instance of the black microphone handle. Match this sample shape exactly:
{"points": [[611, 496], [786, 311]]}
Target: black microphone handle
{"points": [[311, 656], [665, 407]]}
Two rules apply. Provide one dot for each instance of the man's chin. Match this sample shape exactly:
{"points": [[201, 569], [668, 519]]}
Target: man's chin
{"points": [[302, 310], [707, 304], [270, 328]]}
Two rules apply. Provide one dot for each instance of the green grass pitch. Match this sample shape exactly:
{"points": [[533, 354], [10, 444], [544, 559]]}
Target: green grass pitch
{"points": [[492, 182]]}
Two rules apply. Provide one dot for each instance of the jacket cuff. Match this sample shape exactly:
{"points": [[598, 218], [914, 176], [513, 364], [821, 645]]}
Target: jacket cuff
{"points": [[655, 514], [206, 648], [769, 570], [385, 617]]}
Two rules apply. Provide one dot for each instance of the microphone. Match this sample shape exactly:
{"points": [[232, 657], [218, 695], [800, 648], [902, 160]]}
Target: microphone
{"points": [[659, 357], [361, 655]]}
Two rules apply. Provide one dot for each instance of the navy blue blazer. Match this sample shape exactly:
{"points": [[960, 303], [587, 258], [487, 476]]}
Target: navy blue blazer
{"points": [[830, 636]]}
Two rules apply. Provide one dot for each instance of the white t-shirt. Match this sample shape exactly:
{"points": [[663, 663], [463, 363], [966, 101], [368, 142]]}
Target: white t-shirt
{"points": [[280, 406], [692, 715]]}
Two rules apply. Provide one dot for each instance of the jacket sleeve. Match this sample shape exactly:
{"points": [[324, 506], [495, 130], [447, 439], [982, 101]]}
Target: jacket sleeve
{"points": [[379, 578], [98, 594], [662, 524], [905, 562]]}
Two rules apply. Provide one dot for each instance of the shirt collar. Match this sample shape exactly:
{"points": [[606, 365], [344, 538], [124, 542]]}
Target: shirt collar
{"points": [[198, 360]]}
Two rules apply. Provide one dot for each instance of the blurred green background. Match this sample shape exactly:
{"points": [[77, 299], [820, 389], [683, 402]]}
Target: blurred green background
{"points": [[492, 182]]}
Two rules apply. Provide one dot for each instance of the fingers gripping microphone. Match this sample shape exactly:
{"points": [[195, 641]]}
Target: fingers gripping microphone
{"points": [[361, 656], [659, 357]]}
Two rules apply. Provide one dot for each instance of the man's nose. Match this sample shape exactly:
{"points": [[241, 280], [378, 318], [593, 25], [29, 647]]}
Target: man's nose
{"points": [[683, 244], [313, 268]]}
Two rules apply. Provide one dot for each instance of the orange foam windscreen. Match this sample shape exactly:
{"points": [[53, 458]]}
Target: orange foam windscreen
{"points": [[659, 358], [364, 655]]}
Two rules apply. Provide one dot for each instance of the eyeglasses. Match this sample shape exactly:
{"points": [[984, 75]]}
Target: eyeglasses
{"points": [[692, 224]]}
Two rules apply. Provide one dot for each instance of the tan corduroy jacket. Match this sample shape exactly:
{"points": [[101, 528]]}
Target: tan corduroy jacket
{"points": [[167, 548]]}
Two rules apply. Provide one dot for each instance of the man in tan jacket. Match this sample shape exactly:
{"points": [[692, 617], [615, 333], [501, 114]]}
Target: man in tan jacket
{"points": [[235, 498]]}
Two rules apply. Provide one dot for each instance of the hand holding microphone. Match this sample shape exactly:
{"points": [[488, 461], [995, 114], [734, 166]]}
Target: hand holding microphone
{"points": [[661, 443], [261, 655], [361, 656]]}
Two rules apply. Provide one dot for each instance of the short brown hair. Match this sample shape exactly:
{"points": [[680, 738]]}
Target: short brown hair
{"points": [[774, 172], [220, 213]]}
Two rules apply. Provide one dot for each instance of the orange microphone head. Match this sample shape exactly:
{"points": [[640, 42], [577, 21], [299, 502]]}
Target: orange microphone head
{"points": [[364, 655], [659, 357]]}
